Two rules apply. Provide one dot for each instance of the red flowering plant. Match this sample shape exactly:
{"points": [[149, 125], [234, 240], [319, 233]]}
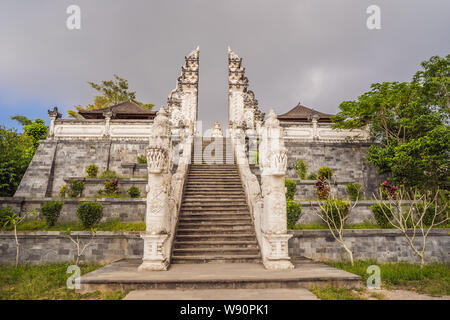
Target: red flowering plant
{"points": [[388, 190], [322, 187]]}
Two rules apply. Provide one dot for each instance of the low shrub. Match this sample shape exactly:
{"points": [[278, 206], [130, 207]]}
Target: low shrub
{"points": [[90, 213], [134, 192], [51, 211], [380, 217], [322, 188], [5, 212], [353, 190], [294, 211], [142, 159], [111, 187], [63, 191], [334, 211], [301, 168], [430, 213], [92, 171], [291, 187], [312, 176], [76, 188], [325, 172], [108, 174]]}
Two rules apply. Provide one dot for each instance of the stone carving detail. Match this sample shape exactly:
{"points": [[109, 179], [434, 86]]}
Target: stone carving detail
{"points": [[273, 164], [157, 218], [217, 131], [243, 107], [182, 102], [54, 115]]}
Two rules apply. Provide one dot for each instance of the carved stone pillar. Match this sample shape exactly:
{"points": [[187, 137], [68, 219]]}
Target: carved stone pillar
{"points": [[273, 163], [157, 217], [315, 120], [54, 114], [217, 131], [108, 115]]}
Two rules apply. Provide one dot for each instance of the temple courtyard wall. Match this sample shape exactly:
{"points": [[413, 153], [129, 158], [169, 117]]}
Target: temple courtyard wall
{"points": [[347, 159], [381, 244]]}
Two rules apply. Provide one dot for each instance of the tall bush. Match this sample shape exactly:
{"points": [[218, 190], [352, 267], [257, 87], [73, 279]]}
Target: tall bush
{"points": [[335, 211], [92, 171], [380, 217], [51, 211], [353, 190], [294, 211], [90, 213], [301, 168], [76, 188], [291, 187]]}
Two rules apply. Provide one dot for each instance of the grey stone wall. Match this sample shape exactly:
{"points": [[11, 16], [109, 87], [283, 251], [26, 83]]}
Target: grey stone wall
{"points": [[383, 245], [57, 160], [306, 189], [360, 214], [125, 209], [54, 247], [347, 159], [92, 186]]}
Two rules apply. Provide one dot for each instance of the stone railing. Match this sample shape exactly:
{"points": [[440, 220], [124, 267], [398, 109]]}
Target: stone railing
{"points": [[250, 182], [310, 131], [98, 129]]}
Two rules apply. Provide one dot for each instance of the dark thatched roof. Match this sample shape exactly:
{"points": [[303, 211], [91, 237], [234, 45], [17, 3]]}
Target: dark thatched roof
{"points": [[124, 110], [304, 114]]}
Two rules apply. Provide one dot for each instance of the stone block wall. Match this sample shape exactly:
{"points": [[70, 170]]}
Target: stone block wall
{"points": [[124, 209], [383, 245], [360, 214], [93, 185], [56, 160], [347, 159], [55, 247]]}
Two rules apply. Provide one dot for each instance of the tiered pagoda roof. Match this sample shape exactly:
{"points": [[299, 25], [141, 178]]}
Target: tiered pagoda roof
{"points": [[124, 110], [304, 114]]}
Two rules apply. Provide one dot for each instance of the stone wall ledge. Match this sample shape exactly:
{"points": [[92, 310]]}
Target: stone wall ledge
{"points": [[81, 234], [314, 203], [102, 180], [363, 233], [19, 200]]}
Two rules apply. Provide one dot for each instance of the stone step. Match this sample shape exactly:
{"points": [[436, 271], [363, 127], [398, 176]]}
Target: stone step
{"points": [[205, 231], [215, 251], [238, 204], [184, 229], [215, 220], [216, 244], [215, 237], [220, 197], [214, 214], [216, 224], [216, 259], [205, 208]]}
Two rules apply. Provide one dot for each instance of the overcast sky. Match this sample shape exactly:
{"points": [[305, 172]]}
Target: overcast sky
{"points": [[317, 52]]}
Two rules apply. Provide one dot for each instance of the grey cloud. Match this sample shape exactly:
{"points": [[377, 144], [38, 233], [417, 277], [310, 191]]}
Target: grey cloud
{"points": [[316, 52]]}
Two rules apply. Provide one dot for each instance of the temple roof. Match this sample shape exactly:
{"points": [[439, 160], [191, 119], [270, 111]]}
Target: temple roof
{"points": [[304, 114], [124, 110]]}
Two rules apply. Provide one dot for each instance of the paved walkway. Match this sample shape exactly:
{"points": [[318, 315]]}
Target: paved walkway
{"points": [[222, 294]]}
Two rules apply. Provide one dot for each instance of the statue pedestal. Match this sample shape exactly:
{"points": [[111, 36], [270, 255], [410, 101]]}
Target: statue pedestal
{"points": [[154, 259], [278, 258]]}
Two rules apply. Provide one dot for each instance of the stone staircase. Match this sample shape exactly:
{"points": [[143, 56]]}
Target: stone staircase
{"points": [[215, 224]]}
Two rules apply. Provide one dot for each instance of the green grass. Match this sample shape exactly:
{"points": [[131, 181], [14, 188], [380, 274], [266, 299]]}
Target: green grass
{"points": [[113, 224], [433, 279], [332, 293], [45, 282]]}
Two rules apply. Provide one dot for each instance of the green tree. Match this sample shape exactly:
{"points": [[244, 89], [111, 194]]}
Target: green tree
{"points": [[16, 152], [409, 123], [110, 93], [37, 130]]}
